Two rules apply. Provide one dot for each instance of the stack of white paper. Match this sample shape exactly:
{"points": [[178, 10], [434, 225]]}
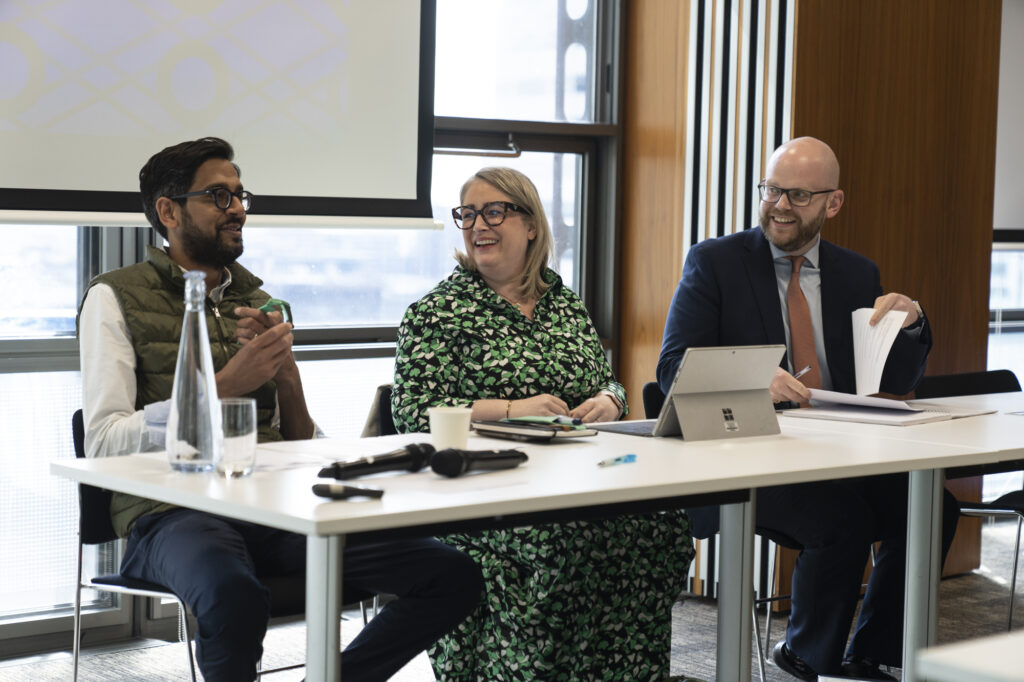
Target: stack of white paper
{"points": [[871, 346]]}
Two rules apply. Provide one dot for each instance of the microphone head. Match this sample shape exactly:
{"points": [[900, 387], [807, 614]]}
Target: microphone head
{"points": [[420, 453], [448, 462]]}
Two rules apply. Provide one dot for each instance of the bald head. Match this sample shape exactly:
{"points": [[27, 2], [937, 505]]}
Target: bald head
{"points": [[810, 159], [803, 164]]}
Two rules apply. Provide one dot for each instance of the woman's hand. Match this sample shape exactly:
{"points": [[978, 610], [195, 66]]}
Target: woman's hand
{"points": [[542, 405], [600, 408]]}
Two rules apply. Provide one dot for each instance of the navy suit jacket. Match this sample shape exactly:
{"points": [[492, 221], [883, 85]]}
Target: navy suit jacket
{"points": [[728, 296]]}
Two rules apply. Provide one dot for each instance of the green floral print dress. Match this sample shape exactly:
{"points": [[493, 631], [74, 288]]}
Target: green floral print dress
{"points": [[574, 601]]}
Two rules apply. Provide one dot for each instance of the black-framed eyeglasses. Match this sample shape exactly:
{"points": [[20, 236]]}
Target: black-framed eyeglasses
{"points": [[797, 197], [492, 212], [222, 197]]}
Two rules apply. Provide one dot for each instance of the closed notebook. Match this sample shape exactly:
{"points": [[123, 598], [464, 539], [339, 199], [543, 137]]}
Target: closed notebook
{"points": [[531, 429]]}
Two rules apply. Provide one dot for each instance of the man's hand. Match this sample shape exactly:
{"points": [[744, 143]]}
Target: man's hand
{"points": [[542, 405], [884, 304], [785, 386], [600, 408], [252, 322], [260, 359]]}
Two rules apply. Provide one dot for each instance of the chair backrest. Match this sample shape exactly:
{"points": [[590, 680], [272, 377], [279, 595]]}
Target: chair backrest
{"points": [[379, 421], [967, 383], [93, 503], [387, 422], [653, 398]]}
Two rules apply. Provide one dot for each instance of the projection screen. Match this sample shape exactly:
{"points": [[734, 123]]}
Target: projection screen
{"points": [[328, 103]]}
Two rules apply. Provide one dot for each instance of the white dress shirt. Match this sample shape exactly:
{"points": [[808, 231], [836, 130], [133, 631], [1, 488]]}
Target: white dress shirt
{"points": [[112, 424]]}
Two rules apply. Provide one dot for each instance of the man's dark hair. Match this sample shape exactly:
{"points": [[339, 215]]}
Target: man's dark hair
{"points": [[170, 172]]}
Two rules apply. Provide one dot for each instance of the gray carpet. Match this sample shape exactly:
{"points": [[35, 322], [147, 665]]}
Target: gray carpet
{"points": [[971, 605]]}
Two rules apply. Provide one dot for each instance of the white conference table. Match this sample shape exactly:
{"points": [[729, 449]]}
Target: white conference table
{"points": [[997, 437], [561, 481], [999, 658]]}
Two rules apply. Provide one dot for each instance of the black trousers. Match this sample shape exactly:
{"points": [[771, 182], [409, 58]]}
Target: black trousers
{"points": [[834, 524], [213, 565]]}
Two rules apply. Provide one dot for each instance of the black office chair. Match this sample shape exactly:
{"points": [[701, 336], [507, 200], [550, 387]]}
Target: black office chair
{"points": [[653, 397], [94, 527], [1010, 505], [967, 383], [288, 593], [379, 421]]}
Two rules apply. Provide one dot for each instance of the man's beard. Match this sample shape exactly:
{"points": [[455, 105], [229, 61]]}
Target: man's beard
{"points": [[207, 249], [806, 231]]}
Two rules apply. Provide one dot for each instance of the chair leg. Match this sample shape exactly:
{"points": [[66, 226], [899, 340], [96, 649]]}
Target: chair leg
{"points": [[183, 622], [771, 604], [757, 640], [1013, 577], [77, 643]]}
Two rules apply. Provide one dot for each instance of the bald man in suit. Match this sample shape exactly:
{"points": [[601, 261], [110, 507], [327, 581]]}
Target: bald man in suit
{"points": [[735, 291]]}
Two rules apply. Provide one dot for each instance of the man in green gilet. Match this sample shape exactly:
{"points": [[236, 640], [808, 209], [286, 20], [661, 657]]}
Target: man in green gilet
{"points": [[129, 325]]}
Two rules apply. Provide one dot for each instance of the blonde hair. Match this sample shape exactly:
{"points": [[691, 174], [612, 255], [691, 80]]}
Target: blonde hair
{"points": [[521, 191]]}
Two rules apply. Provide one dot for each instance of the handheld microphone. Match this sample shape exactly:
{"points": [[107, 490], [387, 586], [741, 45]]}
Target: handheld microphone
{"points": [[452, 462], [412, 457]]}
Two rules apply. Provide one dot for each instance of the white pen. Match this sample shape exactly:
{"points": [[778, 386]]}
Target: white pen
{"points": [[802, 372]]}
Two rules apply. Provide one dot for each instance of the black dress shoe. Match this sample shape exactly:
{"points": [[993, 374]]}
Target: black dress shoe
{"points": [[863, 669], [791, 663]]}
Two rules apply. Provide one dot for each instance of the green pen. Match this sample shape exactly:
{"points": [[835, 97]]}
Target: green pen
{"points": [[278, 304]]}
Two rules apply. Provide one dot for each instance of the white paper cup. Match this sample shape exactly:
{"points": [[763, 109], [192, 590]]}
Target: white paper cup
{"points": [[449, 427], [238, 416]]}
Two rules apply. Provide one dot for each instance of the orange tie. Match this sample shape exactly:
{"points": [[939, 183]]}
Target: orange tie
{"points": [[801, 331]]}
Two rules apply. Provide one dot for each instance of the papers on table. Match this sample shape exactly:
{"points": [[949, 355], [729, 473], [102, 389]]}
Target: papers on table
{"points": [[871, 346], [869, 410], [828, 398]]}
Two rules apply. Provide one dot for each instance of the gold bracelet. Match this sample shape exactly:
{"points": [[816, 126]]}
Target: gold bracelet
{"points": [[508, 408]]}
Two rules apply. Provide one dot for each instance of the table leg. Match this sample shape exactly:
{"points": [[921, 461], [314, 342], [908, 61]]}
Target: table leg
{"points": [[323, 608], [924, 543], [735, 590]]}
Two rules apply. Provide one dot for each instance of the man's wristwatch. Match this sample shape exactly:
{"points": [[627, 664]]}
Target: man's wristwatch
{"points": [[920, 316]]}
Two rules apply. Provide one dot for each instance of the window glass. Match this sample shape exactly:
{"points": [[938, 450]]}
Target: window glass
{"points": [[1006, 341], [39, 523], [371, 276], [1007, 289], [340, 393], [1006, 300], [530, 60], [38, 269]]}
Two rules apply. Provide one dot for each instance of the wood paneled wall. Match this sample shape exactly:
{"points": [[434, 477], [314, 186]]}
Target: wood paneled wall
{"points": [[653, 174], [905, 92]]}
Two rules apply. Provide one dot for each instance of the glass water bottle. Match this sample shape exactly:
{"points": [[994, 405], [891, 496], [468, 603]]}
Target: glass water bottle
{"points": [[194, 434]]}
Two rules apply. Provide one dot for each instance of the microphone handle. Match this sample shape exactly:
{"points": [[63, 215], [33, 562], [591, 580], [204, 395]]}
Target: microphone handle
{"points": [[494, 459], [452, 462], [410, 458]]}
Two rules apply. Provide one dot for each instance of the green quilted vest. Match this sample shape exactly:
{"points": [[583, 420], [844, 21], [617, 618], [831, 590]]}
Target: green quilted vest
{"points": [[152, 300]]}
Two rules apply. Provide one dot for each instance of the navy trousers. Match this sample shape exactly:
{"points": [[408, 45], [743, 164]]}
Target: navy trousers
{"points": [[835, 523], [214, 564]]}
